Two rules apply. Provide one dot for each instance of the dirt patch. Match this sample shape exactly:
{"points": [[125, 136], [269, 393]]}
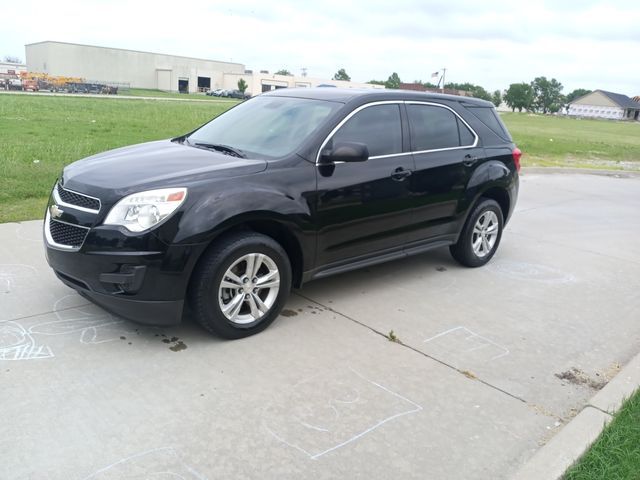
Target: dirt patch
{"points": [[578, 377], [288, 313]]}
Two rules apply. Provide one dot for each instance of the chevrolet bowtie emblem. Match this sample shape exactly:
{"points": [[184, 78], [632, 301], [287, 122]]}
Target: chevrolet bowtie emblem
{"points": [[55, 211]]}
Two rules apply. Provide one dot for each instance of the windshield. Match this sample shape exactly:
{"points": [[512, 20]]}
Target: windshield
{"points": [[265, 126]]}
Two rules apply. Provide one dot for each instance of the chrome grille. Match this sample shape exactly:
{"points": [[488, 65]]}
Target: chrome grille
{"points": [[66, 234], [77, 199]]}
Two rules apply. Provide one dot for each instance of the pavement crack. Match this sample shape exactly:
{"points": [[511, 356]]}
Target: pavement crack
{"points": [[44, 313], [464, 373]]}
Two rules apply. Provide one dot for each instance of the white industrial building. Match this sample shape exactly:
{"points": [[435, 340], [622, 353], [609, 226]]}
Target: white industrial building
{"points": [[602, 104], [158, 71], [12, 69]]}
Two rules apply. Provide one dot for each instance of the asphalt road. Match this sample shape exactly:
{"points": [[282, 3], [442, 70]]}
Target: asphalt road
{"points": [[493, 361]]}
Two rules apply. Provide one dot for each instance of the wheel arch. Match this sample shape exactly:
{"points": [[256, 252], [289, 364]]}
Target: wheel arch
{"points": [[276, 227]]}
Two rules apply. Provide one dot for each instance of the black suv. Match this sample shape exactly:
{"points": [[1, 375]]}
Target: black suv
{"points": [[287, 187]]}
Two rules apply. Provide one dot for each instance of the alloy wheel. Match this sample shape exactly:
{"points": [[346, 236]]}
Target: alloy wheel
{"points": [[249, 288]]}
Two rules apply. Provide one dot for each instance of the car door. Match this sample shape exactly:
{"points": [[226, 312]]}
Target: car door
{"points": [[364, 207], [446, 152]]}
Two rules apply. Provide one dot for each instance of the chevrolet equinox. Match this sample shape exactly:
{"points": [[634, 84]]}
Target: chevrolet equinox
{"points": [[290, 186]]}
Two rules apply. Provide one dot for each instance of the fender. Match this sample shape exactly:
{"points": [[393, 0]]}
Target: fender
{"points": [[490, 175]]}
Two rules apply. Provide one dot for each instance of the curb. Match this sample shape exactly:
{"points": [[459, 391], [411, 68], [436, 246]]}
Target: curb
{"points": [[584, 171], [553, 459]]}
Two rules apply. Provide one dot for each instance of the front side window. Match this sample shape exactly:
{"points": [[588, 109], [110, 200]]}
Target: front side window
{"points": [[268, 127], [378, 127], [434, 127]]}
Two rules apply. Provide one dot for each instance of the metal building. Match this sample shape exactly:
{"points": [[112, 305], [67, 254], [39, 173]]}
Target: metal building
{"points": [[119, 66], [116, 66]]}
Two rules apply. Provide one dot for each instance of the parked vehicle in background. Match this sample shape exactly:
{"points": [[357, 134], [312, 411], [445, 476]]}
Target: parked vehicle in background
{"points": [[215, 93], [290, 186], [238, 94], [14, 84]]}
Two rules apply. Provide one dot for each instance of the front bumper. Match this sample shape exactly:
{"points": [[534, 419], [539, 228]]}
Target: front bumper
{"points": [[138, 277]]}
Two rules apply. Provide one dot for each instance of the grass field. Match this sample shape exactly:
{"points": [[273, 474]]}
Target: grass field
{"points": [[144, 92], [616, 453], [41, 134], [569, 142]]}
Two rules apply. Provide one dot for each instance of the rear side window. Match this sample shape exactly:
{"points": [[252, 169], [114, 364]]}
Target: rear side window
{"points": [[378, 127], [490, 118], [434, 127]]}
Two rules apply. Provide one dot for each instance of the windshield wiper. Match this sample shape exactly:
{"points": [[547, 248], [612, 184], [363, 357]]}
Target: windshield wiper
{"points": [[235, 152]]}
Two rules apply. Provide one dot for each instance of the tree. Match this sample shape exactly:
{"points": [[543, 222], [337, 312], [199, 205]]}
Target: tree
{"points": [[577, 93], [479, 92], [547, 94], [376, 82], [393, 81], [12, 59], [475, 90], [519, 95], [284, 71], [342, 75], [496, 98], [242, 85], [425, 84]]}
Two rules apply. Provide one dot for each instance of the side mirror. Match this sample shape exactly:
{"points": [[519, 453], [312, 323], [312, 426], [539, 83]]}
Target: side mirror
{"points": [[345, 152]]}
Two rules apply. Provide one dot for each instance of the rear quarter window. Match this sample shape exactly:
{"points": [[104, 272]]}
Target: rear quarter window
{"points": [[491, 119]]}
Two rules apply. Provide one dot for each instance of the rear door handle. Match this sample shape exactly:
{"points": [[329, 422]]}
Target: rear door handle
{"points": [[469, 160], [399, 174]]}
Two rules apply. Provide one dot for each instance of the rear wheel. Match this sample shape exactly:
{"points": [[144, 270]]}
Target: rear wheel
{"points": [[240, 285], [480, 236]]}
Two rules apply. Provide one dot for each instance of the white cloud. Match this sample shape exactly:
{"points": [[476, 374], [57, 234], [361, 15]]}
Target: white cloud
{"points": [[492, 43]]}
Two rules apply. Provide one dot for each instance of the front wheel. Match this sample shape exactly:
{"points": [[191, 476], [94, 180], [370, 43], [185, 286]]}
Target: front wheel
{"points": [[240, 285], [480, 236]]}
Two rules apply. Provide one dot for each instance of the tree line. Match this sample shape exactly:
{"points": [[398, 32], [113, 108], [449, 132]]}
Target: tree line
{"points": [[540, 95]]}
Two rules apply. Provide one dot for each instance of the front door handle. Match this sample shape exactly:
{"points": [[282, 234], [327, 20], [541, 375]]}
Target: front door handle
{"points": [[469, 160], [399, 174]]}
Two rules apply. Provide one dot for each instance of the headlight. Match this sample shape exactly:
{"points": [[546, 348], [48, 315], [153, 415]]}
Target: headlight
{"points": [[141, 211]]}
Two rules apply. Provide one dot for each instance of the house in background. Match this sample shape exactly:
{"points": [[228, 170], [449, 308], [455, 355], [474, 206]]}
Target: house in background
{"points": [[603, 104]]}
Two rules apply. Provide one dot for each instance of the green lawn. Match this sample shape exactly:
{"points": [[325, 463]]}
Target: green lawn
{"points": [[616, 453], [39, 135], [144, 92], [569, 142]]}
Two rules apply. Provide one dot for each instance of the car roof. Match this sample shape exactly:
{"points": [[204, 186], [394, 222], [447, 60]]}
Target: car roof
{"points": [[344, 95]]}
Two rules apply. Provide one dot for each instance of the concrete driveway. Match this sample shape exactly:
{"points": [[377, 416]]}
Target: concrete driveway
{"points": [[493, 361]]}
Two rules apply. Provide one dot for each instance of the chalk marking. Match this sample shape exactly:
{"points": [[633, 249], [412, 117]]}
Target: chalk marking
{"points": [[172, 453], [17, 343], [9, 272], [315, 456], [530, 271], [473, 335]]}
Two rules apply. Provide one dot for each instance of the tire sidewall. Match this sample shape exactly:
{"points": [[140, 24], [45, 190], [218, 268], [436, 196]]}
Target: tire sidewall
{"points": [[222, 325], [483, 206]]}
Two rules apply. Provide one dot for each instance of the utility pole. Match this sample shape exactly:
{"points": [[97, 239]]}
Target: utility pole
{"points": [[444, 71]]}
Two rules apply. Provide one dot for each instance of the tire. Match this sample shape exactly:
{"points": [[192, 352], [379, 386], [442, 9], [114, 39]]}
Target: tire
{"points": [[248, 307], [484, 225]]}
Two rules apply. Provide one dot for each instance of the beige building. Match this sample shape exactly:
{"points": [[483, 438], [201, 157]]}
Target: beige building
{"points": [[602, 104], [132, 67], [264, 82], [158, 71]]}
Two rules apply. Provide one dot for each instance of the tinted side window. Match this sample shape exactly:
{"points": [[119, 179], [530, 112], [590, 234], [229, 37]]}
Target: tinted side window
{"points": [[432, 127], [378, 127], [466, 137]]}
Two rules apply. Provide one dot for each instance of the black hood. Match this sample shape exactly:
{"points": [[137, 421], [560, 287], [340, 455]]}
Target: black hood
{"points": [[152, 165]]}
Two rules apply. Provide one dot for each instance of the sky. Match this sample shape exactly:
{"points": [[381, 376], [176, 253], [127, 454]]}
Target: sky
{"points": [[582, 43]]}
